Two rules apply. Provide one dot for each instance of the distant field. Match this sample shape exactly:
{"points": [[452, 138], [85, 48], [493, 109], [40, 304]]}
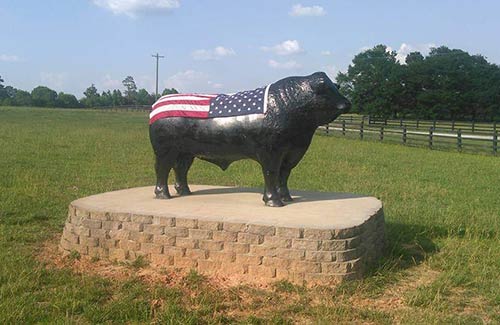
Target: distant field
{"points": [[442, 213]]}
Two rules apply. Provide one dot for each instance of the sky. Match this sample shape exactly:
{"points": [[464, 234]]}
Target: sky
{"points": [[219, 46]]}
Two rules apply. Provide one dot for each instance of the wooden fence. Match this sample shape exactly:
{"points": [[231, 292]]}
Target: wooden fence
{"points": [[437, 125], [430, 137]]}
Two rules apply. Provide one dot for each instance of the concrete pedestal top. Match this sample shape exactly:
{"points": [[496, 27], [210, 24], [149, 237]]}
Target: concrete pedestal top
{"points": [[320, 238]]}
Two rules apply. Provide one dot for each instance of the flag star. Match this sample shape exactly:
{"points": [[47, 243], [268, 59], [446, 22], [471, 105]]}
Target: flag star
{"points": [[253, 104], [244, 104], [260, 99], [234, 105], [239, 110], [249, 108], [225, 106], [239, 101], [230, 101], [229, 111], [216, 107], [249, 99]]}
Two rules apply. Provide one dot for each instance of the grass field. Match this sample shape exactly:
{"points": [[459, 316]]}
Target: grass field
{"points": [[442, 212]]}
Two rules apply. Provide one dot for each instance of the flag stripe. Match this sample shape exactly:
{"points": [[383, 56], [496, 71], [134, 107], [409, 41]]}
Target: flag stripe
{"points": [[182, 95], [197, 102], [181, 113]]}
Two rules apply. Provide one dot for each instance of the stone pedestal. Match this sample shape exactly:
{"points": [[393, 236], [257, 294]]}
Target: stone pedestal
{"points": [[321, 238]]}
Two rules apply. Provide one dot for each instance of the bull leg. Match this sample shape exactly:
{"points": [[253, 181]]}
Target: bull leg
{"points": [[270, 169], [181, 169], [289, 162], [163, 165]]}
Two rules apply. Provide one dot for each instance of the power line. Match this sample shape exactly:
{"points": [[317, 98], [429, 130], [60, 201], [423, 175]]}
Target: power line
{"points": [[158, 57]]}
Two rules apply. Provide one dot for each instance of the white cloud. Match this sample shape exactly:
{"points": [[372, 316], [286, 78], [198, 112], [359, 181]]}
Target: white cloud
{"points": [[299, 10], [53, 80], [192, 81], [9, 58], [109, 83], [215, 85], [286, 48], [132, 8], [406, 49], [288, 65], [217, 53], [326, 53]]}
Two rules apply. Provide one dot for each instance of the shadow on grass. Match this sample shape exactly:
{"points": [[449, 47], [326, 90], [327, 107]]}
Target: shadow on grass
{"points": [[408, 245]]}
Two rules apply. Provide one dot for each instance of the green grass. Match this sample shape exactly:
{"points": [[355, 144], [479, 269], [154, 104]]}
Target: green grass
{"points": [[442, 213]]}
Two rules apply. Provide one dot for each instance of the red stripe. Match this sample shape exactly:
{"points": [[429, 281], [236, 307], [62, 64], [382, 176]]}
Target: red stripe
{"points": [[193, 114], [201, 102]]}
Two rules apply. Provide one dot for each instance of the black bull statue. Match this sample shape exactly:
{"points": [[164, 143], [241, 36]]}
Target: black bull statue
{"points": [[277, 140]]}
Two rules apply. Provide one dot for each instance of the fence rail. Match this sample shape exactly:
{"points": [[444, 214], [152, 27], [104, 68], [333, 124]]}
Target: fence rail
{"points": [[438, 125], [433, 138]]}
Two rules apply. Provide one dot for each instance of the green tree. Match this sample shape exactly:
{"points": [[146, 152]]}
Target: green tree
{"points": [[117, 98], [67, 101], [130, 90], [373, 82], [43, 96], [92, 98], [106, 98], [144, 98], [22, 98], [168, 91]]}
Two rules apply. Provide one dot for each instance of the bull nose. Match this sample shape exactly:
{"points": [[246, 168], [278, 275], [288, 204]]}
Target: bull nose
{"points": [[344, 106]]}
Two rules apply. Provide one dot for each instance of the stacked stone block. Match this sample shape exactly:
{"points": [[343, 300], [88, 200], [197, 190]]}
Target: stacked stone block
{"points": [[254, 253]]}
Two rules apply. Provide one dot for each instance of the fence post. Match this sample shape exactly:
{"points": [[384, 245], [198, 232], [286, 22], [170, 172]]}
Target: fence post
{"points": [[453, 125], [385, 121], [459, 140], [361, 129], [417, 123], [369, 119], [434, 124], [343, 127], [381, 133], [495, 142], [404, 134], [473, 126], [495, 126], [431, 136], [327, 129], [400, 122]]}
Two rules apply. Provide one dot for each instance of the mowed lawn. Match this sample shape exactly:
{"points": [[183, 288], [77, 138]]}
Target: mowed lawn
{"points": [[442, 213]]}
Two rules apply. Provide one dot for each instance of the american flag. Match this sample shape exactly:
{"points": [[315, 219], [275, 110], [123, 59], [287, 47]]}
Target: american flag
{"points": [[210, 106]]}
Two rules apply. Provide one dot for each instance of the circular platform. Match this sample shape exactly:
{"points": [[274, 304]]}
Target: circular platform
{"points": [[320, 238]]}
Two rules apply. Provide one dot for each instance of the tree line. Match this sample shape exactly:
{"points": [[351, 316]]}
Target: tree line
{"points": [[447, 84], [43, 96]]}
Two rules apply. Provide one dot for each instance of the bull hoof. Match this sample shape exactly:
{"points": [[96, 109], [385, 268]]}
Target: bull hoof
{"points": [[275, 203], [183, 190], [163, 196], [286, 198]]}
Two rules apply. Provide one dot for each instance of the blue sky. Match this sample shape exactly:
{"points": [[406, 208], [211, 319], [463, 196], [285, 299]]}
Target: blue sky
{"points": [[222, 45]]}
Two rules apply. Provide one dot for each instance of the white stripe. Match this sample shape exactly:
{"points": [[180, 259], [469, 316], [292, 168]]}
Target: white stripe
{"points": [[179, 98], [181, 95], [180, 107], [266, 92]]}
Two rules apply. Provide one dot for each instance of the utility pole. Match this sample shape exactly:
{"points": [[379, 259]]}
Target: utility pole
{"points": [[158, 57]]}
